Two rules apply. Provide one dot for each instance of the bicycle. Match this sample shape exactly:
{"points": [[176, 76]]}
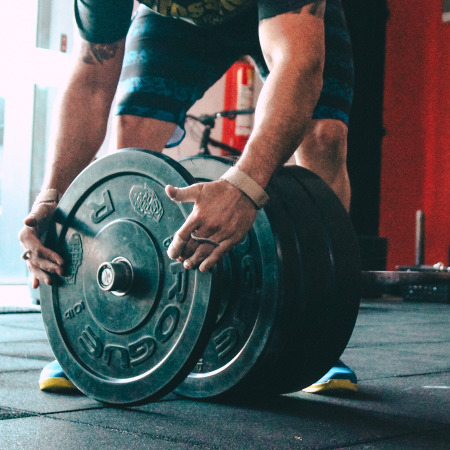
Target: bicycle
{"points": [[209, 121]]}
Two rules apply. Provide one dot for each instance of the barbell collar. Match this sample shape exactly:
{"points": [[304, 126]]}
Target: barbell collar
{"points": [[115, 276]]}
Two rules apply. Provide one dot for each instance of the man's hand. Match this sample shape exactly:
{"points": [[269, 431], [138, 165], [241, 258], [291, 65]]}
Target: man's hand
{"points": [[40, 260], [222, 214]]}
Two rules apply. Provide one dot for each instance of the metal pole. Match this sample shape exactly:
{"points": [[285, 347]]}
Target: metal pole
{"points": [[420, 237]]}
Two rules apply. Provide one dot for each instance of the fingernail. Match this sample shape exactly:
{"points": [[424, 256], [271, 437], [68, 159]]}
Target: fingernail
{"points": [[205, 268], [169, 191], [187, 265]]}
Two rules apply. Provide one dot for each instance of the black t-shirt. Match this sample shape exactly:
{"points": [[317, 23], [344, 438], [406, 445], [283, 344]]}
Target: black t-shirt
{"points": [[103, 21]]}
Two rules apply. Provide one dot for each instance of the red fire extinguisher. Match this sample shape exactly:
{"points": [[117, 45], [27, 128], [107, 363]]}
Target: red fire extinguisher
{"points": [[239, 93]]}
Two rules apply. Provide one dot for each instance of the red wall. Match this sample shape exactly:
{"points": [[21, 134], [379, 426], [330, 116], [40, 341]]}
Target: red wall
{"points": [[415, 171]]}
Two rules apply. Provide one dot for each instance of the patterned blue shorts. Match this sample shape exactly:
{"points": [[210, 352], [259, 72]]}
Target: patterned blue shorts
{"points": [[169, 64]]}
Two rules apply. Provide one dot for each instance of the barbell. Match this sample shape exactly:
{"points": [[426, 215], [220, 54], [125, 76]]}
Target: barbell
{"points": [[128, 325]]}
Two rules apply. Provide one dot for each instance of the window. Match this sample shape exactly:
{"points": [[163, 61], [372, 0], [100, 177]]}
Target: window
{"points": [[36, 59], [44, 99], [2, 133], [446, 10], [54, 25]]}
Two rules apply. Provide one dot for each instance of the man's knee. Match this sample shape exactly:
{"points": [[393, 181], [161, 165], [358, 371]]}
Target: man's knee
{"points": [[326, 141], [143, 132], [324, 151]]}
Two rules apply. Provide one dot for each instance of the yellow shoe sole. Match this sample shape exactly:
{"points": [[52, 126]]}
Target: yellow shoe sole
{"points": [[57, 385], [332, 385]]}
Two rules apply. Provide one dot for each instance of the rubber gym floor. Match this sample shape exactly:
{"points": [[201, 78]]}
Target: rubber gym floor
{"points": [[399, 350]]}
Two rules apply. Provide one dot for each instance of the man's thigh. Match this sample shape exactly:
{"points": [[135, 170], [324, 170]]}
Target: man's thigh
{"points": [[338, 76], [169, 64]]}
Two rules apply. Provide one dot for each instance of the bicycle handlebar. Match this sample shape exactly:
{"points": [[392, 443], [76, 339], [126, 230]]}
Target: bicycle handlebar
{"points": [[209, 120], [232, 113]]}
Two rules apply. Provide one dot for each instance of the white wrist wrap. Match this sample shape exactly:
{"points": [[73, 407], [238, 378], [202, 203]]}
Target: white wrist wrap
{"points": [[246, 185], [48, 196]]}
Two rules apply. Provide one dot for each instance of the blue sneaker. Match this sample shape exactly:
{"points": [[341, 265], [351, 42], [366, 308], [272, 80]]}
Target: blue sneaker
{"points": [[53, 379], [338, 379]]}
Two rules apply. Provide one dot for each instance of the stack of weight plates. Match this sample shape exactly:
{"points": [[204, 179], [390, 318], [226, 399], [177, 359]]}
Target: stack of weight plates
{"points": [[128, 325]]}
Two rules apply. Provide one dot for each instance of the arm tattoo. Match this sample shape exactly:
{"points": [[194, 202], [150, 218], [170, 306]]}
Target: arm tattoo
{"points": [[315, 8], [98, 52]]}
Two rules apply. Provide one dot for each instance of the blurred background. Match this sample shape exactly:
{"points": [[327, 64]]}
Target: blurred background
{"points": [[399, 136]]}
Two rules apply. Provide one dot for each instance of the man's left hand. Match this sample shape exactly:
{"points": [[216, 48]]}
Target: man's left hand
{"points": [[222, 215]]}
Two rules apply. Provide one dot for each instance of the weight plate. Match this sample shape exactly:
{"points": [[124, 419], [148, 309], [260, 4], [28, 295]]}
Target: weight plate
{"points": [[266, 377], [319, 311], [249, 289], [126, 323], [346, 257], [311, 317]]}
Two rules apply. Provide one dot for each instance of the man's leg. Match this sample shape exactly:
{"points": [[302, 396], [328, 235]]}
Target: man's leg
{"points": [[324, 152], [324, 148], [143, 132]]}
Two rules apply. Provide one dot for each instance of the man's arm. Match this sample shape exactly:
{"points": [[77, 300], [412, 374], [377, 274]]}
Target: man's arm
{"points": [[79, 130], [293, 45], [82, 116]]}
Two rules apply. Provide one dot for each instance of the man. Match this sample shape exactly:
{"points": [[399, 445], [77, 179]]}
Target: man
{"points": [[175, 52]]}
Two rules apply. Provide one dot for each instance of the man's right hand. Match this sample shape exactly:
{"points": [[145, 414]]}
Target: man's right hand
{"points": [[41, 261]]}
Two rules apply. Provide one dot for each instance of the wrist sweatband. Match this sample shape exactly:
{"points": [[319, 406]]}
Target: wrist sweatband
{"points": [[246, 185], [47, 196]]}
